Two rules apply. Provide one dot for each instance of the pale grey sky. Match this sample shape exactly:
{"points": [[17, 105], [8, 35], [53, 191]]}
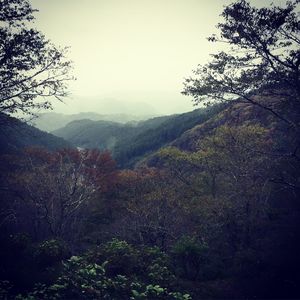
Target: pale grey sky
{"points": [[131, 50]]}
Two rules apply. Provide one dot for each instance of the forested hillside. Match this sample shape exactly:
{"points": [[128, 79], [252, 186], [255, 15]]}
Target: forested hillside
{"points": [[16, 135], [134, 148], [199, 205], [131, 142], [217, 178], [103, 134]]}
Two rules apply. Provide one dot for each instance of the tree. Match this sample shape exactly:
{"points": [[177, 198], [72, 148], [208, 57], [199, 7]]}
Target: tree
{"points": [[32, 69], [56, 188], [150, 207], [264, 57], [229, 176], [262, 69]]}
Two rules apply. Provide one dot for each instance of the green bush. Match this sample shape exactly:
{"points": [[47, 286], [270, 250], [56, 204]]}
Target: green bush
{"points": [[190, 255], [156, 266], [156, 292], [50, 252], [81, 279], [148, 263], [121, 257]]}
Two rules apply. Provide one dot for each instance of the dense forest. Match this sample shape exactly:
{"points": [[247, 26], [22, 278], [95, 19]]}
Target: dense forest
{"points": [[199, 205]]}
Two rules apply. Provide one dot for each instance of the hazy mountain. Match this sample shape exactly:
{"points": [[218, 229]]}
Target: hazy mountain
{"points": [[52, 121], [132, 141], [93, 134], [104, 134]]}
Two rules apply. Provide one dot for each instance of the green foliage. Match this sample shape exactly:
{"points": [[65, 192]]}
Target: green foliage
{"points": [[121, 258], [157, 266], [153, 292], [50, 252], [83, 279], [149, 264], [229, 155], [79, 280], [190, 255]]}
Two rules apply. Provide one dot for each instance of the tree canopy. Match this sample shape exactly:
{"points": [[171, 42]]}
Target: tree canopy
{"points": [[263, 55], [32, 69]]}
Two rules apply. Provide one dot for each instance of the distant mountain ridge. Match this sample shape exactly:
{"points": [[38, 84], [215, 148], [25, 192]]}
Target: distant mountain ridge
{"points": [[130, 142], [92, 134], [104, 135], [52, 121]]}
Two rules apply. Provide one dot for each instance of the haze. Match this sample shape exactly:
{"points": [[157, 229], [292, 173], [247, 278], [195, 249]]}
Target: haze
{"points": [[135, 52]]}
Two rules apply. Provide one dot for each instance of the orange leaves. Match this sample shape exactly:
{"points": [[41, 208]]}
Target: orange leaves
{"points": [[58, 187], [90, 168]]}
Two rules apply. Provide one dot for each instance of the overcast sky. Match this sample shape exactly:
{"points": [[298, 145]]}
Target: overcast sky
{"points": [[131, 50]]}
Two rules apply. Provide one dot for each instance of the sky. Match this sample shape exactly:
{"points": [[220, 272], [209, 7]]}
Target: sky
{"points": [[131, 52]]}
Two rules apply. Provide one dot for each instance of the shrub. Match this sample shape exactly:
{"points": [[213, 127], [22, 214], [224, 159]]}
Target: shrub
{"points": [[189, 255], [121, 258], [50, 252], [81, 279]]}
